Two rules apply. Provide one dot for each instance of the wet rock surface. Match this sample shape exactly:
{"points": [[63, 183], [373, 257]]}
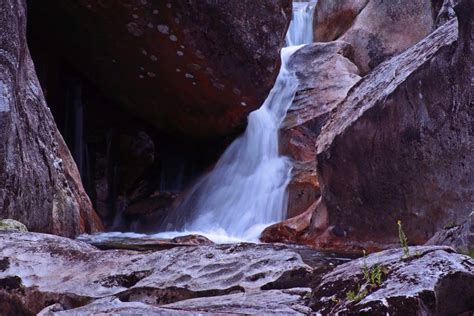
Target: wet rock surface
{"points": [[431, 281], [38, 270], [52, 275], [174, 66], [143, 243], [40, 185]]}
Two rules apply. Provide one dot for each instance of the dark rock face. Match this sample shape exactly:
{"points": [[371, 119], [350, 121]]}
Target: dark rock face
{"points": [[376, 29], [433, 281], [190, 67], [400, 146], [40, 185], [73, 273]]}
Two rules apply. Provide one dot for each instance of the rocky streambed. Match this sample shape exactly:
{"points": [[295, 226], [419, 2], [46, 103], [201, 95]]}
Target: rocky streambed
{"points": [[53, 275]]}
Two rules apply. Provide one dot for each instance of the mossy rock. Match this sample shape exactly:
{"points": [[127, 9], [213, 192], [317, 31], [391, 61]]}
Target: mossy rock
{"points": [[12, 225]]}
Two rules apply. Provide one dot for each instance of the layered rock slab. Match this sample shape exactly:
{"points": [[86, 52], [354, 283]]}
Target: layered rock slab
{"points": [[40, 185], [38, 270]]}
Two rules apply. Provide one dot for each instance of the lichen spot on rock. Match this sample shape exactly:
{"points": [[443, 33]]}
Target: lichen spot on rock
{"points": [[12, 225], [134, 29], [164, 29]]}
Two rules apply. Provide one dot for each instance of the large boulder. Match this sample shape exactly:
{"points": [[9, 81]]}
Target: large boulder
{"points": [[40, 185], [325, 74], [376, 28], [400, 146], [431, 281], [190, 67]]}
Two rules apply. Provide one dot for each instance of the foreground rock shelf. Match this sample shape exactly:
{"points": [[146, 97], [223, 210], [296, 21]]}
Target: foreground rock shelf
{"points": [[59, 276]]}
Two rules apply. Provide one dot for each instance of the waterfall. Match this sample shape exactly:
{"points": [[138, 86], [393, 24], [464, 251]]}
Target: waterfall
{"points": [[300, 30], [246, 190]]}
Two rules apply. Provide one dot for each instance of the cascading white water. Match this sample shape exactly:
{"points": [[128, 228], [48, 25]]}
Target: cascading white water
{"points": [[300, 30], [247, 188], [246, 191]]}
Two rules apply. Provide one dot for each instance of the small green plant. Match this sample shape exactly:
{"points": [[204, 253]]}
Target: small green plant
{"points": [[356, 295], [403, 240], [372, 275]]}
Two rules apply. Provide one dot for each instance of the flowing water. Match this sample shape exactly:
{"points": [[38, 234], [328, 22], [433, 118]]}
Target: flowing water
{"points": [[300, 30], [246, 190]]}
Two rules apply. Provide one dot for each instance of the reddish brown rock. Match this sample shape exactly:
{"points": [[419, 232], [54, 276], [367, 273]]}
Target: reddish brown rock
{"points": [[39, 182], [333, 18], [400, 146], [293, 230], [191, 67], [325, 73], [376, 29]]}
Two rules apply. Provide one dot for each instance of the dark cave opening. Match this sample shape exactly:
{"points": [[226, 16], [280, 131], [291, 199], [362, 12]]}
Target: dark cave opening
{"points": [[131, 170]]}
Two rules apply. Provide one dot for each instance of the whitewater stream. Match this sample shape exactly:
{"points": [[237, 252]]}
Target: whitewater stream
{"points": [[247, 189]]}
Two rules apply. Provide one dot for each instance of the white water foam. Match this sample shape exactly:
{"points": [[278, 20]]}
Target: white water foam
{"points": [[300, 30], [246, 190]]}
